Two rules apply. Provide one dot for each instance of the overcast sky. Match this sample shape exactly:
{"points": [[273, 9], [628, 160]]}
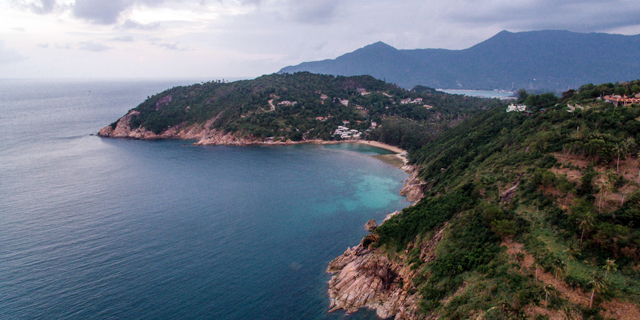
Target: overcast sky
{"points": [[248, 38]]}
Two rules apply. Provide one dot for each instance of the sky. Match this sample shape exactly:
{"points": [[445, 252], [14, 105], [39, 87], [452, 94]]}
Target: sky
{"points": [[248, 38]]}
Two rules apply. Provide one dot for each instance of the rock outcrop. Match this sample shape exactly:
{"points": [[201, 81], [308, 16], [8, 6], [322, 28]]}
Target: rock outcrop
{"points": [[370, 225], [413, 188], [201, 132], [365, 277], [182, 131]]}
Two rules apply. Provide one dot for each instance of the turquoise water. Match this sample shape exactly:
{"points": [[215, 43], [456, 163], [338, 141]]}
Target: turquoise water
{"points": [[107, 228]]}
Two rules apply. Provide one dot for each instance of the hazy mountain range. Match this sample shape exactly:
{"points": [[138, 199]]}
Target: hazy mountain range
{"points": [[542, 60]]}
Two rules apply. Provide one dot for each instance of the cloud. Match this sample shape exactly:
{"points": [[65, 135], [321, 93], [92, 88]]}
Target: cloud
{"points": [[123, 39], [93, 46], [100, 11], [169, 46], [131, 24], [65, 46], [574, 15], [43, 45], [8, 55], [43, 6], [313, 12]]}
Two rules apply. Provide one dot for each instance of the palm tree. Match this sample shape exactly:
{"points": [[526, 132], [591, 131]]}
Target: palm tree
{"points": [[572, 251], [620, 148], [586, 223], [536, 265], [610, 265], [606, 188], [597, 284], [547, 290], [558, 267]]}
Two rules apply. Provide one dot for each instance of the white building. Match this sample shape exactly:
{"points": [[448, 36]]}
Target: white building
{"points": [[516, 108]]}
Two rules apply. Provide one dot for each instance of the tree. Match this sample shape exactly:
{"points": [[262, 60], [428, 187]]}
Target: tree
{"points": [[586, 222], [597, 284], [520, 258], [505, 229], [558, 267], [621, 91], [606, 188], [610, 264], [548, 289], [522, 94], [620, 149], [571, 252], [536, 265]]}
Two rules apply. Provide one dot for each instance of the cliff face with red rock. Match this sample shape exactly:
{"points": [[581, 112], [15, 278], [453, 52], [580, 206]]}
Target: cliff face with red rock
{"points": [[368, 277], [201, 132]]}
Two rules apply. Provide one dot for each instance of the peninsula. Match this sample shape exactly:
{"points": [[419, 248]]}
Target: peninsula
{"points": [[296, 108]]}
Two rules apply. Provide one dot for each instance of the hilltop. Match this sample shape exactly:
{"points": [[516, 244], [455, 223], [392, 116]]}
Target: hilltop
{"points": [[526, 215], [536, 60], [296, 108]]}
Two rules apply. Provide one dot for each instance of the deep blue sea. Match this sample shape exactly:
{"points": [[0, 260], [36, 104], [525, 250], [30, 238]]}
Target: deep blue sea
{"points": [[94, 228]]}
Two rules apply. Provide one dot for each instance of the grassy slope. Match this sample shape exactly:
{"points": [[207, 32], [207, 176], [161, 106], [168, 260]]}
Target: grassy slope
{"points": [[501, 251]]}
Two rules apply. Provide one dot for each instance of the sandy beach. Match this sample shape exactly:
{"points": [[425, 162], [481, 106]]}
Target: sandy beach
{"points": [[381, 145]]}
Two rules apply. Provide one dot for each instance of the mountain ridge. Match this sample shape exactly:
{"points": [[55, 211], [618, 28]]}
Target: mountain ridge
{"points": [[553, 60]]}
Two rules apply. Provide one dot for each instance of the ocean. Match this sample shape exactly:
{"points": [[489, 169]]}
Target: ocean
{"points": [[94, 228]]}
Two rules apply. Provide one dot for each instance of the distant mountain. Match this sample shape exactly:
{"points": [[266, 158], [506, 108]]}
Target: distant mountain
{"points": [[544, 60]]}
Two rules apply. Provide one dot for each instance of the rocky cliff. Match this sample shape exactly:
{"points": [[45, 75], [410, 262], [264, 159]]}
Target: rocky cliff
{"points": [[201, 132], [368, 277], [413, 187]]}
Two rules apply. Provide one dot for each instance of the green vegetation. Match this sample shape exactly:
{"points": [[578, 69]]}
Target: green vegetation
{"points": [[305, 106], [573, 215]]}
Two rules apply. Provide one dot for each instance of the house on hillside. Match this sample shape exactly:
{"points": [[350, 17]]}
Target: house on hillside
{"points": [[362, 91], [516, 108], [624, 99], [409, 100]]}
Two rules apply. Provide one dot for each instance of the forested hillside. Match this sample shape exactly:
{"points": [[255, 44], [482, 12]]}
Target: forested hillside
{"points": [[306, 106], [540, 211]]}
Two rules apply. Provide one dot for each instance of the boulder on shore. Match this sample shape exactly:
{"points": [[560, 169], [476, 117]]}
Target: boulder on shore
{"points": [[370, 225]]}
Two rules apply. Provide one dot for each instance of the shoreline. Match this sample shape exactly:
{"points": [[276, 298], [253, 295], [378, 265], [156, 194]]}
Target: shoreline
{"points": [[380, 145]]}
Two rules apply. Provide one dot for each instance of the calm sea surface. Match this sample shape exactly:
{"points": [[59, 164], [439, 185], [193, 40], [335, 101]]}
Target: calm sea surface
{"points": [[95, 228]]}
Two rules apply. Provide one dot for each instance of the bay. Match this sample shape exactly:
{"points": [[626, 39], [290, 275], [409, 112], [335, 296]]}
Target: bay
{"points": [[108, 228]]}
